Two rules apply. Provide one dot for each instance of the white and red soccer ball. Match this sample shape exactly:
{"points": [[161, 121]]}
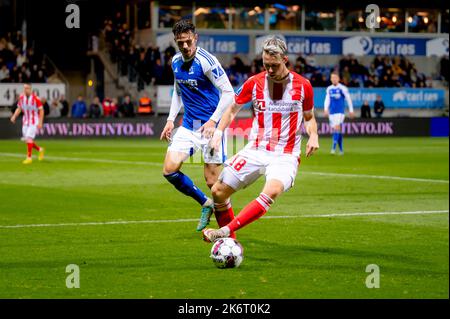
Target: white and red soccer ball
{"points": [[227, 253]]}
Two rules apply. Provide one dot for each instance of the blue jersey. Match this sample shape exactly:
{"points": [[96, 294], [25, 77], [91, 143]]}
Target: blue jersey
{"points": [[335, 98], [196, 83]]}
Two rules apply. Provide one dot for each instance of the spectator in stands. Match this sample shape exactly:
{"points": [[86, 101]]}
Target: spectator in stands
{"points": [[318, 80], [157, 72], [41, 77], [346, 76], [20, 58], [55, 109], [79, 108], [126, 109], [365, 110], [115, 107], [65, 106], [143, 70], [354, 83], [25, 72], [370, 82], [378, 107], [167, 77], [95, 109], [109, 107], [4, 73], [132, 60], [46, 106], [145, 105]]}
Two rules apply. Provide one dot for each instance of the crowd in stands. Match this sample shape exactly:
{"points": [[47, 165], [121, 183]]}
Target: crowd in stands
{"points": [[150, 66], [18, 62], [109, 107], [383, 71], [146, 65]]}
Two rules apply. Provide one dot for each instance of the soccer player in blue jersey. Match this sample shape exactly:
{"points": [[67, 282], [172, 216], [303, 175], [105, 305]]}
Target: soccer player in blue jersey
{"points": [[203, 88], [336, 96]]}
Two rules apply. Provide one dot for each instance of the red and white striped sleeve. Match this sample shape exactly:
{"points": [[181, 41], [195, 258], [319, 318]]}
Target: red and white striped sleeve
{"points": [[20, 101], [38, 103], [244, 93], [308, 102]]}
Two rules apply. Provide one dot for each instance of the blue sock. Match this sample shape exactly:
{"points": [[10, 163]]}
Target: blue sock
{"points": [[340, 142], [185, 185], [335, 140]]}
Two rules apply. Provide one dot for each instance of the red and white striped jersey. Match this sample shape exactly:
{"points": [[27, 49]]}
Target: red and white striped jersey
{"points": [[278, 111], [30, 107]]}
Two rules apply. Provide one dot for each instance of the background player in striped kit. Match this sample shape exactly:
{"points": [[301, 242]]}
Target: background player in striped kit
{"points": [[203, 88], [281, 100], [334, 106], [33, 117]]}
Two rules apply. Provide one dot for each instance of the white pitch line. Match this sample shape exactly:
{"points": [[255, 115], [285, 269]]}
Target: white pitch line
{"points": [[107, 161], [93, 160], [420, 212], [157, 221], [412, 179]]}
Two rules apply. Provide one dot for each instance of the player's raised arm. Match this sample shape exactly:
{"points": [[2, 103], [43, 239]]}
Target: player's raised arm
{"points": [[218, 77], [175, 107]]}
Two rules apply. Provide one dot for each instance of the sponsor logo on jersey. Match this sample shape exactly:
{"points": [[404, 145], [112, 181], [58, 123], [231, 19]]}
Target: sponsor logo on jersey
{"points": [[260, 105], [217, 72], [190, 83]]}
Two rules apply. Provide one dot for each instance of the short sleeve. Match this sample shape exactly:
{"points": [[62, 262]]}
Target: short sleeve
{"points": [[308, 102], [245, 92], [38, 103]]}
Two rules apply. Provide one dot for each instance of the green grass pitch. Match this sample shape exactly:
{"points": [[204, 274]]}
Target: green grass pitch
{"points": [[309, 255]]}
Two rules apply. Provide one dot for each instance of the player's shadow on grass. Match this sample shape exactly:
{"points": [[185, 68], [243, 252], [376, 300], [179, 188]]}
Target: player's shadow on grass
{"points": [[276, 250]]}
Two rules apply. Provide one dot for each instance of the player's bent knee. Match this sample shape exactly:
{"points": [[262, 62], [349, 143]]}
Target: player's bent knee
{"points": [[170, 167], [274, 190], [218, 192], [215, 190]]}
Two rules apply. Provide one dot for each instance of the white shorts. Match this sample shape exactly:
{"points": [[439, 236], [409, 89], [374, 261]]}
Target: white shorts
{"points": [[29, 132], [189, 142], [248, 165], [336, 119]]}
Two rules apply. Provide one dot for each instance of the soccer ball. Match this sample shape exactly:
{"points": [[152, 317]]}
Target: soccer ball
{"points": [[227, 253]]}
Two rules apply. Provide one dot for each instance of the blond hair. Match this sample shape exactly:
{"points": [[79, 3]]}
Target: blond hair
{"points": [[275, 46]]}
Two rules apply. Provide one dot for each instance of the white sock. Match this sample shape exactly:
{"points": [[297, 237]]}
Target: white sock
{"points": [[209, 202], [226, 230]]}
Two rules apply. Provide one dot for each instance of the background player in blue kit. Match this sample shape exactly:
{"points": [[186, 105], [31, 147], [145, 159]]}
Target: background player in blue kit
{"points": [[334, 106], [203, 88]]}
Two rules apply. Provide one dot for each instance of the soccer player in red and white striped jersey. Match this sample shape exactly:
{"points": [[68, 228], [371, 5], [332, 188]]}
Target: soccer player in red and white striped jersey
{"points": [[281, 100], [33, 117]]}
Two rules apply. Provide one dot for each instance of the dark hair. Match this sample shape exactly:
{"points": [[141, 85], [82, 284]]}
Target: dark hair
{"points": [[183, 26]]}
